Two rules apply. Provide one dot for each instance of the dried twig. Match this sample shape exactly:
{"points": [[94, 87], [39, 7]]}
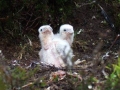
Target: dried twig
{"points": [[84, 4], [76, 75], [28, 84]]}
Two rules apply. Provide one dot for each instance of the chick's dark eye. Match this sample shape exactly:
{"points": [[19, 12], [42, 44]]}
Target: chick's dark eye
{"points": [[64, 29], [40, 29]]}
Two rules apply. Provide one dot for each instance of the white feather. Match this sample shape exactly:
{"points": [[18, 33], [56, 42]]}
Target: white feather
{"points": [[64, 50], [66, 32], [55, 50], [48, 53]]}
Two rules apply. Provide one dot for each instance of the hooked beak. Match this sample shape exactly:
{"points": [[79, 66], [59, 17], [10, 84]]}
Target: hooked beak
{"points": [[70, 32], [46, 30]]}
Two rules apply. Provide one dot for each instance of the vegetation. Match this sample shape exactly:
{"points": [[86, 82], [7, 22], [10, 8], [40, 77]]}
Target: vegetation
{"points": [[113, 79], [21, 18], [19, 23]]}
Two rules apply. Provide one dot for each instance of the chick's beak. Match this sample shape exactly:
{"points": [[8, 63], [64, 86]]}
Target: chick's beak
{"points": [[46, 30], [70, 32]]}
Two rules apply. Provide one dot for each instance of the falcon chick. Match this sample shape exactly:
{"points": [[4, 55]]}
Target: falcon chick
{"points": [[48, 53], [66, 32], [64, 50]]}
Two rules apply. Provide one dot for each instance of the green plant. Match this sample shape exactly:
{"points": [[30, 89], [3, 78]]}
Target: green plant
{"points": [[2, 81], [21, 18], [113, 80]]}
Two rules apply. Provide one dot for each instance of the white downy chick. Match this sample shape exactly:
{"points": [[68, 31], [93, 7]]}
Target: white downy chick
{"points": [[66, 32], [48, 53], [64, 50]]}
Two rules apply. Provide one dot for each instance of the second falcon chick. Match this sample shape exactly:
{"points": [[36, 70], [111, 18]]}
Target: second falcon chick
{"points": [[66, 32]]}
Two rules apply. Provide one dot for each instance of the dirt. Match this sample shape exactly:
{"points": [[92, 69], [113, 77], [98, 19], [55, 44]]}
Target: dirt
{"points": [[90, 46]]}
